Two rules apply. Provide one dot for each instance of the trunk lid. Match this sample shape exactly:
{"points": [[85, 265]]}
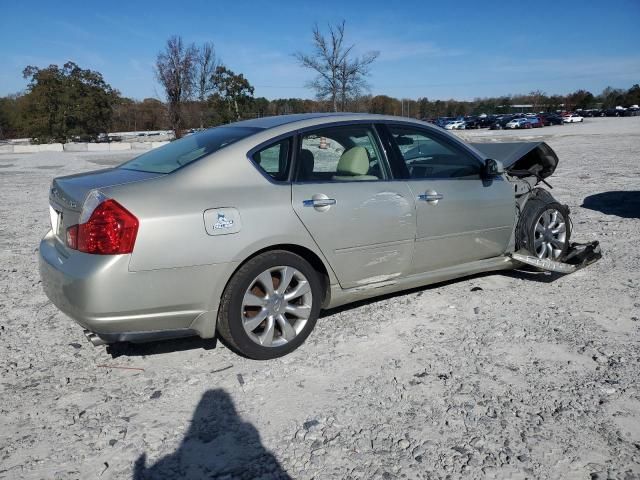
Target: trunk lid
{"points": [[67, 194], [522, 159]]}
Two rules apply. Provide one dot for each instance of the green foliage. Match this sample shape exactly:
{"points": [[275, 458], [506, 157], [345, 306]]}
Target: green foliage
{"points": [[131, 115], [612, 97], [10, 117], [63, 103], [384, 105], [580, 99], [72, 103], [633, 95], [231, 90]]}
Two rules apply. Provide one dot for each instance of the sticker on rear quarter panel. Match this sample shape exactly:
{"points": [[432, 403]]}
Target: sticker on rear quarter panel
{"points": [[222, 221]]}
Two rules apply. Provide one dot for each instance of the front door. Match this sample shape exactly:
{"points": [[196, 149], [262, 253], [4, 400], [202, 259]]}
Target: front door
{"points": [[363, 222], [461, 217]]}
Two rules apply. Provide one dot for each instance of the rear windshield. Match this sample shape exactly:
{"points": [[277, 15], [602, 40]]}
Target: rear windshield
{"points": [[181, 152]]}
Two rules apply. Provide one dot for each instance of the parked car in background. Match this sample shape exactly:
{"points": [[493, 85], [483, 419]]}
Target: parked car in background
{"points": [[485, 122], [551, 119], [613, 112], [471, 123], [592, 112], [165, 245], [572, 118], [632, 111], [517, 123], [455, 125], [442, 121], [500, 122], [536, 122]]}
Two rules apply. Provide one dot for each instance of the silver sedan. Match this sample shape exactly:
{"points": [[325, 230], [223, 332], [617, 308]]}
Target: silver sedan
{"points": [[247, 231]]}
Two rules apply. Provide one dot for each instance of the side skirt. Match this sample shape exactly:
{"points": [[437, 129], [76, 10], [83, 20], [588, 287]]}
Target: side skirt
{"points": [[341, 296]]}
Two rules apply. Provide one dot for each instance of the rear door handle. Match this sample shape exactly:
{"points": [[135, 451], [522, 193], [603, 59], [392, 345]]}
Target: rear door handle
{"points": [[430, 197], [319, 202]]}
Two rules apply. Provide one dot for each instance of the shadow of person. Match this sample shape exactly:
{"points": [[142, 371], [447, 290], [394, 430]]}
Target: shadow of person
{"points": [[218, 445], [625, 204]]}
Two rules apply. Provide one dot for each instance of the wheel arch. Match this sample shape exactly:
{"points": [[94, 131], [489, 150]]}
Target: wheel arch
{"points": [[307, 254]]}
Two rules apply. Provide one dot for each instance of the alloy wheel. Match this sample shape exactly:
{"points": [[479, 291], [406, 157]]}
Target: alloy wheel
{"points": [[550, 235], [276, 306]]}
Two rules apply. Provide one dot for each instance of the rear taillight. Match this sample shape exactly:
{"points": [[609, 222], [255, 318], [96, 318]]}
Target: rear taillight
{"points": [[110, 230]]}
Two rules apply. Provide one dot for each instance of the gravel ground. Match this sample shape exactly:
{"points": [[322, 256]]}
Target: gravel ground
{"points": [[508, 375]]}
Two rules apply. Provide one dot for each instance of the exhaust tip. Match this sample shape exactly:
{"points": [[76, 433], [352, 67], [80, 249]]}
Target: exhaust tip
{"points": [[95, 340]]}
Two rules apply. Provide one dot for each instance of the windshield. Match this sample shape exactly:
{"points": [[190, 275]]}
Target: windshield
{"points": [[181, 152]]}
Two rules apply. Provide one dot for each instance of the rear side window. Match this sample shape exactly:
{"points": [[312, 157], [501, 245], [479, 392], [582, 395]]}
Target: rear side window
{"points": [[427, 156], [339, 154], [274, 160], [187, 150]]}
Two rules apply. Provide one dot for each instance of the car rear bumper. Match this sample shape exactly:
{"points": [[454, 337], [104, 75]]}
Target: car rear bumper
{"points": [[103, 296]]}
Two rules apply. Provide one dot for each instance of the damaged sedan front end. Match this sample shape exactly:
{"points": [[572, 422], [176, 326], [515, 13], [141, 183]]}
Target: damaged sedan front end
{"points": [[543, 227]]}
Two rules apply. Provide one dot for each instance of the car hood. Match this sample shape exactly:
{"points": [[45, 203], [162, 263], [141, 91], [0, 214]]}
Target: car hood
{"points": [[522, 159]]}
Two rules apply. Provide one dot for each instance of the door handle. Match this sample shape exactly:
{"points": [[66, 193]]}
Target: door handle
{"points": [[431, 196], [319, 202]]}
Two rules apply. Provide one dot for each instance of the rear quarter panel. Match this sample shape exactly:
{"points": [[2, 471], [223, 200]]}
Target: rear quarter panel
{"points": [[171, 210]]}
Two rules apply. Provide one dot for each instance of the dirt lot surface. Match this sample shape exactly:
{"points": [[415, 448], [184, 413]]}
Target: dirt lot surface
{"points": [[508, 375]]}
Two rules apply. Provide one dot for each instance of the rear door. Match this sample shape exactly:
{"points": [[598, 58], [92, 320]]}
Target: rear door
{"points": [[363, 222], [461, 217]]}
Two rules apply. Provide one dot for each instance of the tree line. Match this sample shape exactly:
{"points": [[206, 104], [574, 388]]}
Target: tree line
{"points": [[69, 103]]}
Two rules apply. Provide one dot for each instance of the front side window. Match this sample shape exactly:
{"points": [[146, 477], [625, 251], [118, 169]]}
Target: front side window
{"points": [[188, 149], [339, 154], [427, 156], [274, 160]]}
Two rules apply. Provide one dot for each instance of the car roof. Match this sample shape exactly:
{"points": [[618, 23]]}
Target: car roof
{"points": [[308, 119]]}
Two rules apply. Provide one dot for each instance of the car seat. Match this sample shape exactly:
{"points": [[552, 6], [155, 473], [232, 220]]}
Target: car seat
{"points": [[307, 164], [354, 165]]}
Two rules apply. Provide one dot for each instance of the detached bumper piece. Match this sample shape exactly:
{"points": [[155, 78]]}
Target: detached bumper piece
{"points": [[579, 256]]}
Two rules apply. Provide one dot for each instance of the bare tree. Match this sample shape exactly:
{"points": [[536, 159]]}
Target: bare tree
{"points": [[340, 74], [175, 70], [206, 64]]}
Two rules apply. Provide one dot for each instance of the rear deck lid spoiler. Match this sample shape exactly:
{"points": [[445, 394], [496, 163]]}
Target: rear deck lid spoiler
{"points": [[69, 192], [522, 159]]}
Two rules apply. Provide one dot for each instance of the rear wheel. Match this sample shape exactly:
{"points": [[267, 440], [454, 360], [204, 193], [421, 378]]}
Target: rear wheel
{"points": [[270, 305], [544, 228]]}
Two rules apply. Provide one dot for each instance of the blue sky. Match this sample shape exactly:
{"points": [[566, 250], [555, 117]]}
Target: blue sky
{"points": [[435, 49]]}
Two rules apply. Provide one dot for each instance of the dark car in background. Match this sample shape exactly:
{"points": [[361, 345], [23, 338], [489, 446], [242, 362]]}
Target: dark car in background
{"points": [[551, 119], [485, 122], [613, 112], [592, 112], [471, 123], [500, 122]]}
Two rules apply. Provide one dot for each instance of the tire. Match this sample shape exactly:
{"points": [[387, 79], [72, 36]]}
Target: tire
{"points": [[261, 324], [544, 228]]}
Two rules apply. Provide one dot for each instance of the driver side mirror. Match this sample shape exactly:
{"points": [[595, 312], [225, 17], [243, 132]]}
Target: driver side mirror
{"points": [[493, 168]]}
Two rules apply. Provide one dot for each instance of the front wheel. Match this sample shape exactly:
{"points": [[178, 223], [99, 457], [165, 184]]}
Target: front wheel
{"points": [[544, 228], [270, 305]]}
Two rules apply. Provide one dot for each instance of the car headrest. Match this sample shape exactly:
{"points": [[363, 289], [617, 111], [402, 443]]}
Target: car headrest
{"points": [[354, 162], [307, 163]]}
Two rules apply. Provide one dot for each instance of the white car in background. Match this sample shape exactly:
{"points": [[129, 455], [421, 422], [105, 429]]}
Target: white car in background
{"points": [[455, 125], [518, 123], [572, 118]]}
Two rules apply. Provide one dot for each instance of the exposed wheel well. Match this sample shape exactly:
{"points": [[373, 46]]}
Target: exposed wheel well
{"points": [[310, 256]]}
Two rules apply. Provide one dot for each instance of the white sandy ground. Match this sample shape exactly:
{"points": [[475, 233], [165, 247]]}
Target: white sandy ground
{"points": [[530, 376]]}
